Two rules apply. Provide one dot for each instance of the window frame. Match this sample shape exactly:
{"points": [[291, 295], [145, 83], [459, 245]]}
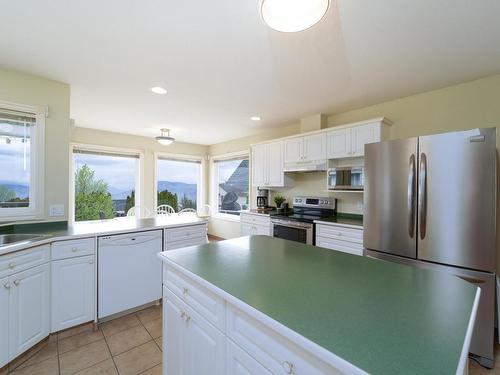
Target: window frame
{"points": [[200, 193], [214, 183], [139, 176], [35, 210]]}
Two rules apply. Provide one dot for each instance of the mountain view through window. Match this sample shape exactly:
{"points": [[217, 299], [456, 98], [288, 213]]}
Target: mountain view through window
{"points": [[105, 185], [177, 183]]}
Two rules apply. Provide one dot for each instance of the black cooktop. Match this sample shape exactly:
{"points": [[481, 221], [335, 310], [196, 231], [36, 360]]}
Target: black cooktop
{"points": [[305, 215]]}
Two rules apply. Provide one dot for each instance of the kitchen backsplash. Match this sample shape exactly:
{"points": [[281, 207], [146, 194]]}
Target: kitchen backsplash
{"points": [[314, 184]]}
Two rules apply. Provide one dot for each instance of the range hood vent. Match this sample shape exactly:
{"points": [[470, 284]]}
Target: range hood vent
{"points": [[312, 166]]}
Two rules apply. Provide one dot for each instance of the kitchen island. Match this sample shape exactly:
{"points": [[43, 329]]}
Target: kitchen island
{"points": [[263, 305]]}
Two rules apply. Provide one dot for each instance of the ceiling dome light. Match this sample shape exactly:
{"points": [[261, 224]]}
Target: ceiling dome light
{"points": [[158, 90], [293, 15], [165, 139], [255, 118]]}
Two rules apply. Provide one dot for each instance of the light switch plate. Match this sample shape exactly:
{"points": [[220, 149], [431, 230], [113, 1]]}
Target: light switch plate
{"points": [[56, 210]]}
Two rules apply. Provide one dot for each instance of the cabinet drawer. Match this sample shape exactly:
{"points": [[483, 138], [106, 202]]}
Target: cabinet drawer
{"points": [[238, 362], [73, 248], [339, 245], [185, 233], [255, 219], [255, 229], [206, 303], [185, 243], [22, 260], [270, 349], [340, 233]]}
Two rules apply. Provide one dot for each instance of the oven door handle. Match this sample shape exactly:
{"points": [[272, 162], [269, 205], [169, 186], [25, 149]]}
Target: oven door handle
{"points": [[305, 227]]}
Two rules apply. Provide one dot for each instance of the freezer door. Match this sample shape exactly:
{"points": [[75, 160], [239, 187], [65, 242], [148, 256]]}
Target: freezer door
{"points": [[390, 197], [457, 199]]}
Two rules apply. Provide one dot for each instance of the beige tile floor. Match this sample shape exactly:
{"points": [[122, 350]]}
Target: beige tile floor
{"points": [[129, 345]]}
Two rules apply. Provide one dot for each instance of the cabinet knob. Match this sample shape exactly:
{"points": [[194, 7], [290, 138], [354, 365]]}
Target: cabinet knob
{"points": [[6, 285], [288, 367], [74, 249], [91, 261], [339, 234], [17, 282], [12, 265]]}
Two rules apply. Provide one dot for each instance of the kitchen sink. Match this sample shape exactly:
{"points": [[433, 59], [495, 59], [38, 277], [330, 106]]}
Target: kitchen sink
{"points": [[12, 239]]}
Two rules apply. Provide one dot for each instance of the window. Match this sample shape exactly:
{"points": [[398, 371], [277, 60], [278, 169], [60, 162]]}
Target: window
{"points": [[106, 183], [231, 185], [21, 162], [178, 182]]}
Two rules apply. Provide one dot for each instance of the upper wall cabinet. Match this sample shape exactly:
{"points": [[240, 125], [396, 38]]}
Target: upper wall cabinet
{"points": [[305, 149], [350, 142], [267, 165]]}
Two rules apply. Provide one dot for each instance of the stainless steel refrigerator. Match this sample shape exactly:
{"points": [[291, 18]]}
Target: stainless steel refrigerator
{"points": [[431, 202]]}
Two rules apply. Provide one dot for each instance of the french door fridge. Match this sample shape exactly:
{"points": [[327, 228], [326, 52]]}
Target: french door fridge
{"points": [[431, 201]]}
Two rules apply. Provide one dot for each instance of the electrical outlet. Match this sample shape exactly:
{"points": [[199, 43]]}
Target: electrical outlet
{"points": [[56, 210]]}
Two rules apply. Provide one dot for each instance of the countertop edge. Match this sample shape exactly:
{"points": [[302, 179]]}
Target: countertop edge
{"points": [[55, 238], [310, 346]]}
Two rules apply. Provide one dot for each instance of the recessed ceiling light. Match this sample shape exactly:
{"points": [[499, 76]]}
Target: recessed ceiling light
{"points": [[255, 118], [158, 90], [293, 15]]}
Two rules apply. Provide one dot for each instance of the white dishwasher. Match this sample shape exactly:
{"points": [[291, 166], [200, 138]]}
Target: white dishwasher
{"points": [[129, 271]]}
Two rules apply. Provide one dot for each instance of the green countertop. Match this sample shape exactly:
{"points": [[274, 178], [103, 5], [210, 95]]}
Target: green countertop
{"points": [[384, 318]]}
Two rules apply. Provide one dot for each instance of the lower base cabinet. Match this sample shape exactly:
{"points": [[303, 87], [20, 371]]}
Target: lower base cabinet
{"points": [[197, 341], [4, 321], [73, 297], [29, 307], [193, 345], [238, 362]]}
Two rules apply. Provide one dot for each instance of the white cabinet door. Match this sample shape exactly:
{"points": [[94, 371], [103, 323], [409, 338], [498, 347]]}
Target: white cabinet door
{"points": [[193, 345], [29, 308], [294, 150], [275, 176], [4, 321], [314, 147], [238, 362], [173, 337], [205, 346], [362, 135], [259, 165], [339, 143], [246, 229], [73, 292]]}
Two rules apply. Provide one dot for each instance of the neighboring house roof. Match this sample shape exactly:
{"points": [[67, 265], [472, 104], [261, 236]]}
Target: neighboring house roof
{"points": [[238, 181]]}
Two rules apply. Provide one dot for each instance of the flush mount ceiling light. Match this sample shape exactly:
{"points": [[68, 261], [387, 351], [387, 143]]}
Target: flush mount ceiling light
{"points": [[165, 139], [158, 90], [255, 118], [293, 15]]}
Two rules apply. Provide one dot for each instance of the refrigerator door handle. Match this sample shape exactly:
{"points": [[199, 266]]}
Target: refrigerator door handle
{"points": [[422, 195], [411, 197]]}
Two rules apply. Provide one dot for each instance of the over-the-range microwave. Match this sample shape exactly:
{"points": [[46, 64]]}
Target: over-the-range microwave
{"points": [[346, 178]]}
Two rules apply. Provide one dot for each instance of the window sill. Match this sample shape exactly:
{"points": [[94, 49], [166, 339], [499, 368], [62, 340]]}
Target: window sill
{"points": [[233, 218]]}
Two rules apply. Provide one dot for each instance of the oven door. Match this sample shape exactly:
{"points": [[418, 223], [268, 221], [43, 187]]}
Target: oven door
{"points": [[294, 232]]}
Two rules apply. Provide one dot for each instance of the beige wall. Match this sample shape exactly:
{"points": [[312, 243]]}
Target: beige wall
{"points": [[229, 229], [36, 91], [148, 146], [464, 106]]}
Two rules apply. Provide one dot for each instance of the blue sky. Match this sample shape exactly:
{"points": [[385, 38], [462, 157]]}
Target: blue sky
{"points": [[118, 172], [12, 162], [178, 171]]}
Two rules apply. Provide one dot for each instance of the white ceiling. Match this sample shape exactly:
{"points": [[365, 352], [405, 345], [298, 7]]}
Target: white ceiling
{"points": [[221, 64]]}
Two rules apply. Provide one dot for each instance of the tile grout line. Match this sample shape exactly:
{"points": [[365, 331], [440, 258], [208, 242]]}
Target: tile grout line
{"points": [[111, 354]]}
